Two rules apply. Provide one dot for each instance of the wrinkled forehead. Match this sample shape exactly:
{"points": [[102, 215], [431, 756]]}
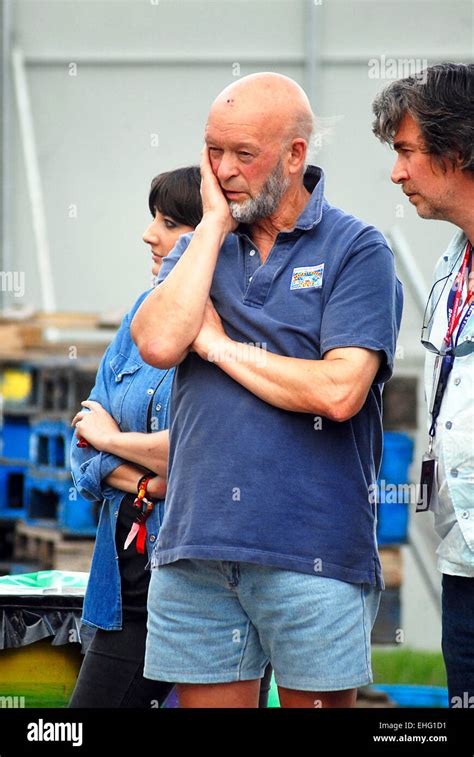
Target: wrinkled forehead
{"points": [[242, 122]]}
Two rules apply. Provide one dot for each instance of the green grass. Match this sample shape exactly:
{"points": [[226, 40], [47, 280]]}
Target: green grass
{"points": [[35, 695], [409, 666]]}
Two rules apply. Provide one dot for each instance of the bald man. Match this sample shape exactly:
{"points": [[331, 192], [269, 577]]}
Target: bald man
{"points": [[281, 313]]}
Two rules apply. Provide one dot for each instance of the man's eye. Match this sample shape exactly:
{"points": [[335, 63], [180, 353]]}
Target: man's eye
{"points": [[244, 154], [215, 149]]}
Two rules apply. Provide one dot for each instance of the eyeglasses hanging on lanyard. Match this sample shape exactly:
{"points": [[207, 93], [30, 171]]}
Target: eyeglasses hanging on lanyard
{"points": [[461, 347], [458, 314]]}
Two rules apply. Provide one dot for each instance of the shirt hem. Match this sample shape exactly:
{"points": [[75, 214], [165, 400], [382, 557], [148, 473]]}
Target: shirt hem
{"points": [[444, 566], [271, 559]]}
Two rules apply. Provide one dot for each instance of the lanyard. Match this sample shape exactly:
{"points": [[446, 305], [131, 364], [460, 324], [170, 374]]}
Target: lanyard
{"points": [[454, 313], [454, 300]]}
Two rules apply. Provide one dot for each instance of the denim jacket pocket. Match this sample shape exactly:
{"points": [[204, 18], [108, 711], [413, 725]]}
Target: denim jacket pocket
{"points": [[124, 369], [124, 365]]}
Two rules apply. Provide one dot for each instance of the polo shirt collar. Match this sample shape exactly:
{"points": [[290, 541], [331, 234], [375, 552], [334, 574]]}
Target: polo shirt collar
{"points": [[313, 181]]}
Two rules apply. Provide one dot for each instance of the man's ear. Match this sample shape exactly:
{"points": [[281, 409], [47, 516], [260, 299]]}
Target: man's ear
{"points": [[298, 150]]}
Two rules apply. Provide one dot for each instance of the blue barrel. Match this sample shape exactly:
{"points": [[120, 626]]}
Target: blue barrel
{"points": [[397, 457], [393, 490]]}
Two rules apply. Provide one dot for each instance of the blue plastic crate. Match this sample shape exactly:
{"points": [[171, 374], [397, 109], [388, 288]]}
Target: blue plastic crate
{"points": [[15, 438], [12, 489], [49, 446], [53, 500], [405, 695], [393, 490]]}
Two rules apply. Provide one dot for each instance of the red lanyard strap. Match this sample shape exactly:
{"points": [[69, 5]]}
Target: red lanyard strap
{"points": [[456, 312], [144, 507]]}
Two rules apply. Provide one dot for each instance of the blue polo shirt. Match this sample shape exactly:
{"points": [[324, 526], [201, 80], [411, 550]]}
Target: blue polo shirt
{"points": [[247, 480]]}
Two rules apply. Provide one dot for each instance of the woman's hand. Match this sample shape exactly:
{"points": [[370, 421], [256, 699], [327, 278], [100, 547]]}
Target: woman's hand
{"points": [[157, 487], [96, 425], [212, 340], [214, 203]]}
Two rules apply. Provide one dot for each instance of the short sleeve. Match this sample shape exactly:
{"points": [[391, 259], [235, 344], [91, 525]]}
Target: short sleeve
{"points": [[173, 256], [364, 308]]}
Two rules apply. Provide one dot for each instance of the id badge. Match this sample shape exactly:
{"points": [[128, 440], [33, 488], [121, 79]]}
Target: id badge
{"points": [[428, 495]]}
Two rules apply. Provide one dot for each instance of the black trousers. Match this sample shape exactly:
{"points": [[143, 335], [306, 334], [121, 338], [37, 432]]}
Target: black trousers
{"points": [[111, 674], [458, 638]]}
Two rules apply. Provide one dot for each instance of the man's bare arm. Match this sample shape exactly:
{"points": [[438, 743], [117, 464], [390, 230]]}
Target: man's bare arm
{"points": [[335, 387]]}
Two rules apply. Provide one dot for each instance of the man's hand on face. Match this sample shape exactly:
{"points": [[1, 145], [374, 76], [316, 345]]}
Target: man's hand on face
{"points": [[214, 203]]}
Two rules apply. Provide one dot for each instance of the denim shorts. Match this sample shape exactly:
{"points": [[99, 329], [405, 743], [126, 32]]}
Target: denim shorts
{"points": [[215, 621]]}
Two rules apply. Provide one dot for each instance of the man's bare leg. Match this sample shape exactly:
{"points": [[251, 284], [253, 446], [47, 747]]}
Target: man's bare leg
{"points": [[215, 695], [317, 699]]}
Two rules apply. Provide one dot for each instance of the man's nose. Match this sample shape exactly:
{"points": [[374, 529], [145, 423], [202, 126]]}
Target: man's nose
{"points": [[227, 168], [399, 172]]}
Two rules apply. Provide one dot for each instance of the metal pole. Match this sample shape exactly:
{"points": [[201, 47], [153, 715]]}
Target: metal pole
{"points": [[33, 177], [419, 554], [311, 51], [6, 141], [402, 251], [313, 23], [252, 59]]}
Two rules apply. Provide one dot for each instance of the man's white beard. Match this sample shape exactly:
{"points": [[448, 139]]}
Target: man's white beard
{"points": [[266, 202]]}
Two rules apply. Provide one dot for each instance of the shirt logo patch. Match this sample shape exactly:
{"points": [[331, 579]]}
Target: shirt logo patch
{"points": [[309, 276]]}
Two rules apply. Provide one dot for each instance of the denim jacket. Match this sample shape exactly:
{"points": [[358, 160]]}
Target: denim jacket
{"points": [[124, 386]]}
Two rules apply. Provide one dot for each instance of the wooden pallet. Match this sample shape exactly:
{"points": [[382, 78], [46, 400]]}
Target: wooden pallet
{"points": [[51, 549], [392, 568]]}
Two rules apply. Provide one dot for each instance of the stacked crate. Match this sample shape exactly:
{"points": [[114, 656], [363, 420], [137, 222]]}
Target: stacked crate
{"points": [[50, 495], [19, 386], [36, 487]]}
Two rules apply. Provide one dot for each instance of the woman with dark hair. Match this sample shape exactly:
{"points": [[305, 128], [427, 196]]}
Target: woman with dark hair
{"points": [[121, 461]]}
